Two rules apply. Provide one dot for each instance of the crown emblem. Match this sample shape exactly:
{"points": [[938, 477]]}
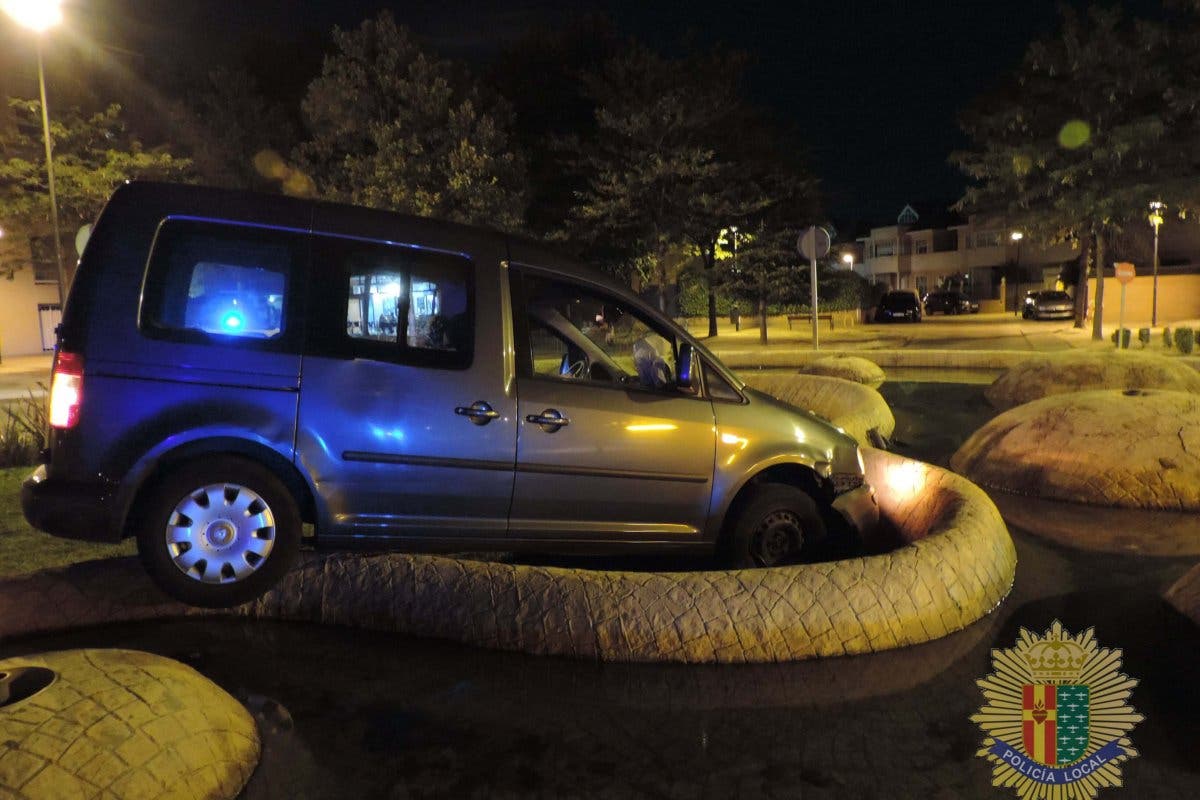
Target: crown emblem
{"points": [[1055, 660]]}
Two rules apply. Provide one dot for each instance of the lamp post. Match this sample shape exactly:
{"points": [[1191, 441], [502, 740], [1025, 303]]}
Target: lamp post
{"points": [[1016, 237], [1156, 219], [39, 16], [848, 260]]}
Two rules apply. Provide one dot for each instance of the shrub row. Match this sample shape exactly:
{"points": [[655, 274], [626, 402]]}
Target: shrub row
{"points": [[1182, 339]]}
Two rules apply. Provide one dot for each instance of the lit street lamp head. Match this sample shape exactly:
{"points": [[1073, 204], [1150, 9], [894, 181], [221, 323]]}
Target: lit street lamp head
{"points": [[37, 15], [1017, 236]]}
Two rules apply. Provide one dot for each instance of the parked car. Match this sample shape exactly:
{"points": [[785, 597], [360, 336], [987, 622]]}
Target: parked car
{"points": [[1048, 304], [232, 365], [902, 304], [949, 302]]}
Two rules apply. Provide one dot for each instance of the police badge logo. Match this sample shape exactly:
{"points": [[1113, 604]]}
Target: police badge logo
{"points": [[1057, 717]]}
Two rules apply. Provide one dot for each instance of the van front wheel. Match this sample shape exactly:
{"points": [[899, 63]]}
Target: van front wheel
{"points": [[218, 533], [772, 527]]}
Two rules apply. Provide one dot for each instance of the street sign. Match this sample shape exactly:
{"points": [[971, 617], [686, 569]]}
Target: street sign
{"points": [[81, 238], [1125, 272], [813, 243]]}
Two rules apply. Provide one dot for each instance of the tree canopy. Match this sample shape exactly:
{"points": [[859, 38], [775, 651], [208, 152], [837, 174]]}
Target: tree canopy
{"points": [[674, 158], [93, 154], [394, 127], [1098, 120]]}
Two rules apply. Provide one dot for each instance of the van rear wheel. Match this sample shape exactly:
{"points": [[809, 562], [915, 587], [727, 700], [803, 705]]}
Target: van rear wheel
{"points": [[772, 527], [218, 533]]}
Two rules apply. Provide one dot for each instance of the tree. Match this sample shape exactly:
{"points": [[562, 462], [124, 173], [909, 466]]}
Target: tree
{"points": [[1069, 149], [671, 161], [93, 154], [233, 134], [394, 127]]}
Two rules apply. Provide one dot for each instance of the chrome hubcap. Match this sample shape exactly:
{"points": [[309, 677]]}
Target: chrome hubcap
{"points": [[777, 537], [220, 533]]}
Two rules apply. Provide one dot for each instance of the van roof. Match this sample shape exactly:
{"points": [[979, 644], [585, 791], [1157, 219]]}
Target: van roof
{"points": [[324, 216]]}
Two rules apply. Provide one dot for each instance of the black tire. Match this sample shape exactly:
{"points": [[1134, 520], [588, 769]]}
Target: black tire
{"points": [[233, 482], [772, 526]]}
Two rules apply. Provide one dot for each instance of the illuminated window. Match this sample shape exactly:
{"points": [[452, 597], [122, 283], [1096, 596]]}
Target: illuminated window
{"points": [[405, 303], [216, 283]]}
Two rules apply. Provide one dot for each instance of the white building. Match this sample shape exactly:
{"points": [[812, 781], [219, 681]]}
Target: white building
{"points": [[29, 309]]}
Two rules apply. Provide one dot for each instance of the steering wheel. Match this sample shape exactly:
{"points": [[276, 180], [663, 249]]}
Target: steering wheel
{"points": [[572, 369]]}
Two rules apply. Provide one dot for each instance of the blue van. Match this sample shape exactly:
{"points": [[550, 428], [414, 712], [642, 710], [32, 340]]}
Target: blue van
{"points": [[231, 366]]}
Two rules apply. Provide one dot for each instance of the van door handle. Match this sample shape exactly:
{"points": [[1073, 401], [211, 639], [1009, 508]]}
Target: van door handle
{"points": [[479, 412], [550, 420]]}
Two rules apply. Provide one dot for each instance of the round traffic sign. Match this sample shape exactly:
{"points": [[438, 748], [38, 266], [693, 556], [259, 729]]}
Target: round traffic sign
{"points": [[813, 243], [1124, 271]]}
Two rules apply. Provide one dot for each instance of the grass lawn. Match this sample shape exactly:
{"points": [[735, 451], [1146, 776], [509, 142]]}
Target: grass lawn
{"points": [[24, 550]]}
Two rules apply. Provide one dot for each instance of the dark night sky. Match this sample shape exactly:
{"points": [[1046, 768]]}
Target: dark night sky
{"points": [[872, 87]]}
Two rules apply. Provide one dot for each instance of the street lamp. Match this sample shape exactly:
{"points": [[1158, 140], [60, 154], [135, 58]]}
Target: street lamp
{"points": [[848, 260], [1156, 219], [1016, 236], [39, 16]]}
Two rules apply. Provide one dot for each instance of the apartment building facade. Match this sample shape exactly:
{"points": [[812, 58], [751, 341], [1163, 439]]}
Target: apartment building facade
{"points": [[940, 250]]}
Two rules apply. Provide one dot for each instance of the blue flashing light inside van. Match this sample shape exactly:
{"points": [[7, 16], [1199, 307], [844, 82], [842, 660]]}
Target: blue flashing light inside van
{"points": [[232, 321]]}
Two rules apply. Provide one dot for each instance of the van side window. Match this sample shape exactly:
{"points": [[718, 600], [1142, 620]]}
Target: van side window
{"points": [[578, 334], [209, 282], [404, 303]]}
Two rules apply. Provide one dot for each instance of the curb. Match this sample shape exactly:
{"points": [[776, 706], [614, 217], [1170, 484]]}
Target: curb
{"points": [[918, 358], [957, 565]]}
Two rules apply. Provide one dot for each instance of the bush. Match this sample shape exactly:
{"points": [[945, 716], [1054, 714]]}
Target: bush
{"points": [[1167, 338], [1144, 336], [1124, 334], [1185, 340], [837, 291], [23, 431]]}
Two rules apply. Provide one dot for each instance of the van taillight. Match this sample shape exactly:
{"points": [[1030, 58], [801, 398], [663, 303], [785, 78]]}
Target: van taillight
{"points": [[66, 389]]}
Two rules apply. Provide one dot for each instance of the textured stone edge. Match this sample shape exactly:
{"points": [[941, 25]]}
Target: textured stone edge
{"points": [[854, 407], [123, 723], [1104, 529], [1047, 375], [958, 565], [1184, 594]]}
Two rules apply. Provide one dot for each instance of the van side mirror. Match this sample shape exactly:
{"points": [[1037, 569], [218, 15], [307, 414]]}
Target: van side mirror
{"points": [[683, 366]]}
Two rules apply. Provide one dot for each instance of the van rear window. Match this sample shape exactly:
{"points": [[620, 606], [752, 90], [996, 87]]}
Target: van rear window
{"points": [[214, 282]]}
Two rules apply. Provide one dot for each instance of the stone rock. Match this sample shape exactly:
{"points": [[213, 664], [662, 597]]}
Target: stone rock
{"points": [[1060, 373], [853, 407], [956, 565], [850, 368], [1184, 595], [121, 723], [1136, 449]]}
